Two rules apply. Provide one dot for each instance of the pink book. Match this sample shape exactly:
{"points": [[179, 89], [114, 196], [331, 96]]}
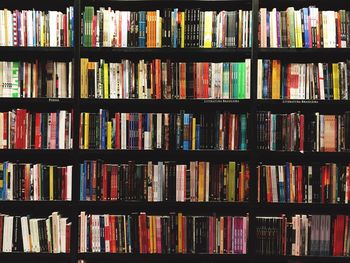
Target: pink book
{"points": [[53, 131], [235, 235], [210, 250], [229, 235], [240, 237], [244, 235], [158, 235]]}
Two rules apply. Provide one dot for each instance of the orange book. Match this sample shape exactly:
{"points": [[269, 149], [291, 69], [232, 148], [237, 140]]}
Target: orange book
{"points": [[221, 235], [148, 29], [241, 184], [182, 81], [201, 181], [330, 133], [268, 184], [276, 79], [179, 232], [158, 79]]}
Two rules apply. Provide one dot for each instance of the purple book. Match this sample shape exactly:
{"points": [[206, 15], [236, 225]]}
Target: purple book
{"points": [[278, 19]]}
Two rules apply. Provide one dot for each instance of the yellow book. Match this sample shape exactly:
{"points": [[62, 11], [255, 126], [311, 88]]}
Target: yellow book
{"points": [[182, 29], [109, 135], [51, 182], [42, 32], [105, 81], [336, 86], [276, 79], [1, 177], [179, 232], [193, 133], [201, 183], [86, 130], [83, 78], [208, 28]]}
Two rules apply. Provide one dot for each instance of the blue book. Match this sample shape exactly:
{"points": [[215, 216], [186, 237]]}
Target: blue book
{"points": [[306, 27], [34, 14], [243, 132], [281, 187], [71, 10], [265, 78], [4, 178], [174, 18], [198, 136], [142, 28], [88, 221], [186, 131], [273, 132], [82, 182], [327, 83], [103, 129], [287, 182]]}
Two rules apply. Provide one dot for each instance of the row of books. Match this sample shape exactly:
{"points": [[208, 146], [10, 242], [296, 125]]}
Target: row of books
{"points": [[308, 27], [33, 28], [168, 131], [327, 183], [27, 181], [166, 28], [157, 79], [24, 129], [27, 234], [303, 132], [303, 235], [316, 81], [173, 233], [197, 181], [36, 79]]}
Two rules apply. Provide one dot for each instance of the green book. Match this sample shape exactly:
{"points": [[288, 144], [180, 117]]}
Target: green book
{"points": [[15, 80], [241, 80], [291, 26], [234, 80], [231, 181]]}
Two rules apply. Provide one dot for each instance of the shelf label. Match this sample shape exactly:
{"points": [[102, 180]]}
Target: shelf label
{"points": [[300, 101], [221, 101], [54, 100]]}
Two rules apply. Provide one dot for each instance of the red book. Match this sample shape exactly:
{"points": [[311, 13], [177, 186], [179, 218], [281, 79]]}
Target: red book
{"points": [[236, 132], [140, 132], [300, 183], [117, 131], [269, 184], [94, 27], [158, 79], [302, 125], [113, 234], [5, 125], [65, 30], [195, 95], [20, 129], [323, 183], [337, 19], [26, 184], [104, 184], [205, 80], [1, 230], [348, 180], [15, 28], [68, 231], [107, 232]]}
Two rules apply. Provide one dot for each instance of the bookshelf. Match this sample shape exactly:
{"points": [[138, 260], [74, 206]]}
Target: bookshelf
{"points": [[75, 156]]}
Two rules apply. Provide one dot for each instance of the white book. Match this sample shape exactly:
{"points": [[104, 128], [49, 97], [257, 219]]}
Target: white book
{"points": [[155, 183], [158, 29], [10, 175], [62, 129], [159, 130], [107, 227], [207, 172], [302, 78], [160, 180], [49, 234], [260, 79], [7, 236], [123, 131], [118, 68], [247, 74], [113, 81], [263, 37], [126, 75], [273, 28], [25, 234], [317, 131], [53, 26], [63, 228], [97, 234], [2, 25], [124, 27], [274, 184], [309, 189], [321, 81], [83, 233], [56, 232], [34, 235]]}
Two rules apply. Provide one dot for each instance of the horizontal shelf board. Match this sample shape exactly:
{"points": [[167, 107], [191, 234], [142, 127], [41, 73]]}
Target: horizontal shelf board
{"points": [[325, 259], [19, 52], [145, 5], [322, 4], [96, 257], [44, 155], [303, 105], [199, 54], [37, 103], [304, 54], [37, 4], [199, 208], [265, 209], [164, 105], [279, 156], [161, 155], [23, 255]]}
